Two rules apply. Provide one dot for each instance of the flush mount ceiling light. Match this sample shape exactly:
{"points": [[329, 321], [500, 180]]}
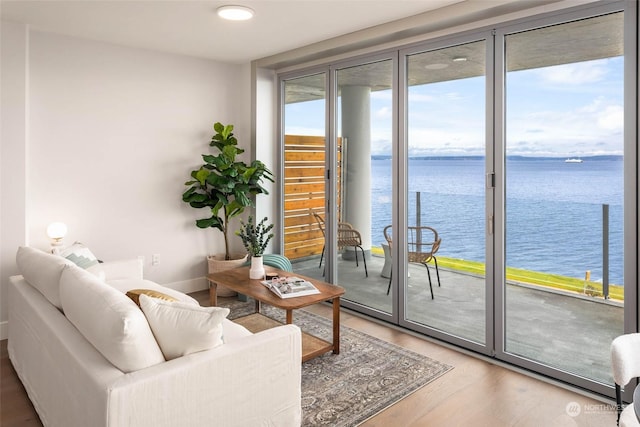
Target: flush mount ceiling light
{"points": [[436, 66], [235, 13]]}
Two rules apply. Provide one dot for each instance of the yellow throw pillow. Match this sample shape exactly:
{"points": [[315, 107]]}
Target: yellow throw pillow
{"points": [[134, 294]]}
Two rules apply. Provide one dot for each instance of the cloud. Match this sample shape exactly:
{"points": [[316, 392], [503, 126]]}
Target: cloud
{"points": [[612, 118], [382, 95], [574, 74], [383, 113], [563, 111], [421, 97], [579, 131]]}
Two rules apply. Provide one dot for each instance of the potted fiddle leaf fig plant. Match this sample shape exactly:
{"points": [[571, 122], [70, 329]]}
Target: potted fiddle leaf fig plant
{"points": [[224, 187], [255, 238]]}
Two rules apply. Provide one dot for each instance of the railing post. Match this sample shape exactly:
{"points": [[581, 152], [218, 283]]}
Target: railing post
{"points": [[418, 222], [605, 251], [418, 209]]}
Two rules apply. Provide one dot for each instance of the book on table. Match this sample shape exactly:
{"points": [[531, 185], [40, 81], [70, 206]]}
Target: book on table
{"points": [[289, 287]]}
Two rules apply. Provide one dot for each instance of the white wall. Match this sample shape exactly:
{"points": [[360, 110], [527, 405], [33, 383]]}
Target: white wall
{"points": [[111, 135], [13, 134]]}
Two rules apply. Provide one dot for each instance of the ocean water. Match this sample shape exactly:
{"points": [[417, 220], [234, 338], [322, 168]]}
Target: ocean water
{"points": [[554, 210]]}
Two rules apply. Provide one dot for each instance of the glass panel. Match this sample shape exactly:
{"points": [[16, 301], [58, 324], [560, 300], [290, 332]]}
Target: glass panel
{"points": [[564, 289], [446, 190], [364, 128], [304, 166]]}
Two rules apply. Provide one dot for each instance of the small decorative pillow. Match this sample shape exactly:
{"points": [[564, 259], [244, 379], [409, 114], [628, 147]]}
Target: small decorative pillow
{"points": [[80, 255], [134, 294], [183, 328]]}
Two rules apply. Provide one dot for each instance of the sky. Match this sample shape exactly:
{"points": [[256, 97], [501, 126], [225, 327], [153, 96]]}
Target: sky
{"points": [[572, 110]]}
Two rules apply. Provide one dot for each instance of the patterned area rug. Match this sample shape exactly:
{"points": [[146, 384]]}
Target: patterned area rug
{"points": [[367, 376]]}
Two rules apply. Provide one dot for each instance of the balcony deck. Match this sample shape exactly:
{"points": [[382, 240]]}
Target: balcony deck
{"points": [[565, 330]]}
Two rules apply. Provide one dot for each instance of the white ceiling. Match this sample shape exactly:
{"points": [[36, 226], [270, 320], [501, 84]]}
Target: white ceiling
{"points": [[193, 28]]}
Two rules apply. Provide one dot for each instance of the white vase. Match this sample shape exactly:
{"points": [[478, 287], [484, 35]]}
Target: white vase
{"points": [[257, 268]]}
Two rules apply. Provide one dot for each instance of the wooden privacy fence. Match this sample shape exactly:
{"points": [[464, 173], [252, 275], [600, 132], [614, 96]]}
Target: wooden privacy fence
{"points": [[304, 193]]}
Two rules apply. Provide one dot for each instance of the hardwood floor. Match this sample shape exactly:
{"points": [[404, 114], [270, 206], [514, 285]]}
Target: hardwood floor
{"points": [[475, 393], [16, 409]]}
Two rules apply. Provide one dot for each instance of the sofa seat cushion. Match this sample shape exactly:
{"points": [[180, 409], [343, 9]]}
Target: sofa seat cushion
{"points": [[125, 285], [183, 328], [109, 320], [42, 271]]}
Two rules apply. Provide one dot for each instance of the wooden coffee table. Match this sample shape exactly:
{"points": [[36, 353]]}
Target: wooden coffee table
{"points": [[238, 280]]}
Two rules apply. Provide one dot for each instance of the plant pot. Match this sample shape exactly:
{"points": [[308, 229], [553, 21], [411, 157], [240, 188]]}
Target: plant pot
{"points": [[257, 268], [217, 263]]}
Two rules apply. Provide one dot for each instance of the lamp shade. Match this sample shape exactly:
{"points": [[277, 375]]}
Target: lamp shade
{"points": [[56, 230]]}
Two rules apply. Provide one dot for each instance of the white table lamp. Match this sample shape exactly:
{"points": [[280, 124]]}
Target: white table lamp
{"points": [[56, 232]]}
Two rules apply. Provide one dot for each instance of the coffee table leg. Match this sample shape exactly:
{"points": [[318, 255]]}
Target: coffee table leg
{"points": [[289, 317], [336, 325], [213, 294]]}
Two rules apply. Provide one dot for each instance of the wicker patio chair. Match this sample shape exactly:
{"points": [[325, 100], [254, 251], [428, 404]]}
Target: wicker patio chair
{"points": [[422, 244], [347, 237]]}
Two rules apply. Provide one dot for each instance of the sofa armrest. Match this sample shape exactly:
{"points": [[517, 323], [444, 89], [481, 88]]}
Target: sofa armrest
{"points": [[251, 381], [115, 270]]}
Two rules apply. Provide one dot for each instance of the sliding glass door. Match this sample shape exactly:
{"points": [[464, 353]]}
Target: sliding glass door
{"points": [[443, 276], [363, 185], [564, 163], [487, 180], [303, 172]]}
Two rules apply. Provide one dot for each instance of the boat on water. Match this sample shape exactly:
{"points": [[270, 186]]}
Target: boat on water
{"points": [[573, 161]]}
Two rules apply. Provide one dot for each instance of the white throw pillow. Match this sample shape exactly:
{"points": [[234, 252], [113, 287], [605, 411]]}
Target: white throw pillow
{"points": [[42, 271], [80, 255], [183, 328], [125, 285], [109, 320]]}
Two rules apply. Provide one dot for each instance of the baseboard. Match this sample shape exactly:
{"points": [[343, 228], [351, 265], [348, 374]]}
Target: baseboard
{"points": [[4, 330], [191, 285]]}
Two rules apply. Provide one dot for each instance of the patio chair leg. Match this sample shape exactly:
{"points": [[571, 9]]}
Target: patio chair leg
{"points": [[435, 260], [321, 256], [618, 403], [364, 260], [429, 275], [355, 250], [390, 276]]}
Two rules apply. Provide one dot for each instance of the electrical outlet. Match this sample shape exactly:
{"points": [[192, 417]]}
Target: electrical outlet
{"points": [[155, 259]]}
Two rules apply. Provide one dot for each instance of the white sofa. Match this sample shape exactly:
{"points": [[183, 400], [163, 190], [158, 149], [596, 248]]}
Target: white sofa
{"points": [[249, 380]]}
